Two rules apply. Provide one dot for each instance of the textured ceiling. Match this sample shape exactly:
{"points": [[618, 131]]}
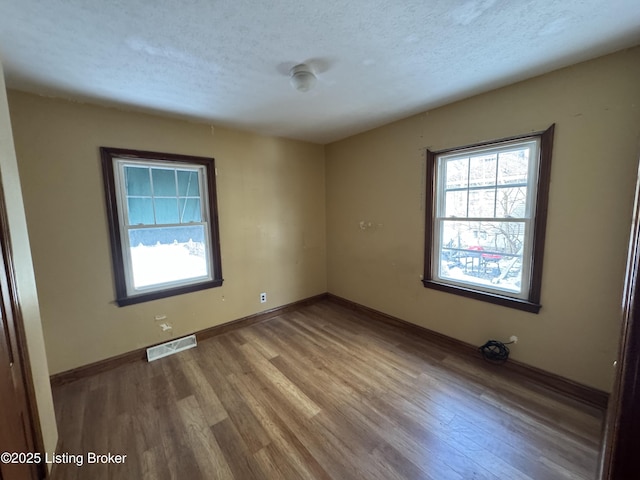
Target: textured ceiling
{"points": [[225, 62]]}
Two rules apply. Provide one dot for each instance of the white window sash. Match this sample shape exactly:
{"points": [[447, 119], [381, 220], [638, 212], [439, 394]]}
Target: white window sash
{"points": [[527, 220], [123, 219]]}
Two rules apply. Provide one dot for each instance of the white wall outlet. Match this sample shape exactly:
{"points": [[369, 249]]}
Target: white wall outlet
{"points": [[263, 297], [513, 339], [165, 327]]}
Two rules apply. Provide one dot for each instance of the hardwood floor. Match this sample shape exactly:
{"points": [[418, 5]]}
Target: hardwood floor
{"points": [[322, 393]]}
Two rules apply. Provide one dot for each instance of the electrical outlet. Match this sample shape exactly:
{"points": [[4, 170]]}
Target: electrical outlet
{"points": [[513, 339], [263, 297]]}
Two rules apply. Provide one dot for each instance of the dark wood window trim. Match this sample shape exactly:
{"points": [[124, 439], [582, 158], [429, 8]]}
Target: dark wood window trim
{"points": [[532, 303], [109, 156]]}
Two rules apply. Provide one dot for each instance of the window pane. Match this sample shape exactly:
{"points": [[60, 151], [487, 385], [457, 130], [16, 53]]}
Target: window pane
{"points": [[511, 202], [513, 167], [501, 237], [163, 255], [137, 181], [167, 210], [461, 234], [482, 253], [188, 184], [190, 210], [482, 170], [457, 173], [164, 182], [482, 203], [456, 204], [140, 211]]}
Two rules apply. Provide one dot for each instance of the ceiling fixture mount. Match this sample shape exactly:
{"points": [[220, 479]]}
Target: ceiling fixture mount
{"points": [[302, 77]]}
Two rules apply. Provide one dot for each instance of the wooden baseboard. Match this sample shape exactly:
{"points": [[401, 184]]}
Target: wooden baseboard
{"points": [[535, 376], [141, 353], [256, 318]]}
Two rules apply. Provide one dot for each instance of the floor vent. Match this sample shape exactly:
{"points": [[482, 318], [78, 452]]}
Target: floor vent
{"points": [[169, 348]]}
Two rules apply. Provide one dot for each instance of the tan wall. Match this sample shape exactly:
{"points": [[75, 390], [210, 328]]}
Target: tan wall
{"points": [[27, 294], [378, 177], [272, 219], [271, 198]]}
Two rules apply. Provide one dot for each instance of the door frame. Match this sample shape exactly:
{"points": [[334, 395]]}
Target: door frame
{"points": [[23, 352], [618, 458]]}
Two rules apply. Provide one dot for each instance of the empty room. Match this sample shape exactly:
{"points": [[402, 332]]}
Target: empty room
{"points": [[301, 240]]}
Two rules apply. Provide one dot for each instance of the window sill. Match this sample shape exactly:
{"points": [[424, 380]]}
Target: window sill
{"points": [[170, 292], [494, 298]]}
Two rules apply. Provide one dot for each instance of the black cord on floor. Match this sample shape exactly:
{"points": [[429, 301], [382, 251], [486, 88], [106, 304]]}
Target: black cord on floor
{"points": [[494, 351]]}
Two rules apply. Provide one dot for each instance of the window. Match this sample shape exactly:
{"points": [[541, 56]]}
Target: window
{"points": [[485, 220], [163, 222]]}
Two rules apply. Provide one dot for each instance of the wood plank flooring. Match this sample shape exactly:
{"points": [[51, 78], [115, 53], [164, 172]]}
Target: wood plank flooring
{"points": [[322, 393]]}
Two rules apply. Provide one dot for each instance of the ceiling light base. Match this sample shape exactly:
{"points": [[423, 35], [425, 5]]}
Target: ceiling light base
{"points": [[302, 78]]}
